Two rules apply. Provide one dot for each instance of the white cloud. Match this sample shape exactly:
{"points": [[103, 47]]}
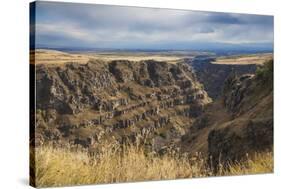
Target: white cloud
{"points": [[98, 25]]}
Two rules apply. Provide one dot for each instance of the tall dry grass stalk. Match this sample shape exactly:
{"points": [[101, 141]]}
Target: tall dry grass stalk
{"points": [[258, 163], [60, 167]]}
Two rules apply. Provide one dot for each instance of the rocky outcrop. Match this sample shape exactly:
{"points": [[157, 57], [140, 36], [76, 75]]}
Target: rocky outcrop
{"points": [[238, 124], [249, 99], [87, 104], [234, 91], [69, 89]]}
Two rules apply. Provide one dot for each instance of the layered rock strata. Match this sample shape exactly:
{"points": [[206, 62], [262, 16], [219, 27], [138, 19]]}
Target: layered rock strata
{"points": [[88, 105]]}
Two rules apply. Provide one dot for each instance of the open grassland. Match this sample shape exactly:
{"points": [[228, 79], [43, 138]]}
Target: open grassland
{"points": [[53, 57], [58, 167], [171, 58], [244, 59]]}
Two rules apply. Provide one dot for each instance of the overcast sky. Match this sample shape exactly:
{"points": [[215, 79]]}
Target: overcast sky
{"points": [[103, 26]]}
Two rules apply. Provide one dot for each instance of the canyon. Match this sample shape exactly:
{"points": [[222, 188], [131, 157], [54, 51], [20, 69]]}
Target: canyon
{"points": [[100, 102], [184, 105]]}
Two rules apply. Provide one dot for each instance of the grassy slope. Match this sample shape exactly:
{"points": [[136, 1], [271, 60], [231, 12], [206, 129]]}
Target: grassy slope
{"points": [[58, 167]]}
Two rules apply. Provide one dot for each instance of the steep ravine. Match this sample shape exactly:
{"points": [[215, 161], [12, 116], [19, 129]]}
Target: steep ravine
{"points": [[89, 105], [237, 124], [212, 76]]}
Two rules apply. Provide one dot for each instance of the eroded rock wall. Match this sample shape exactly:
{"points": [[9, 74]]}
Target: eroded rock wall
{"points": [[148, 101]]}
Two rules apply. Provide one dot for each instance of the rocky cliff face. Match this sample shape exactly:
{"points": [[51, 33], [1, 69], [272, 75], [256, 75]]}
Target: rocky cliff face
{"points": [[249, 100], [237, 124], [150, 102]]}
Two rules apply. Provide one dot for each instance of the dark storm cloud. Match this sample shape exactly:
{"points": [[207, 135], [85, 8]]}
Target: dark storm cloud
{"points": [[84, 25], [222, 18]]}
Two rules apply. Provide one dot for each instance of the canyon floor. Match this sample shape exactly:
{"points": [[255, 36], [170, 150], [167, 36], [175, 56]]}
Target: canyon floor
{"points": [[178, 114]]}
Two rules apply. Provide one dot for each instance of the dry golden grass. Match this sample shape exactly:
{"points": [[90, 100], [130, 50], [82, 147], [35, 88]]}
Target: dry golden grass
{"points": [[257, 164], [59, 167], [244, 59], [53, 57]]}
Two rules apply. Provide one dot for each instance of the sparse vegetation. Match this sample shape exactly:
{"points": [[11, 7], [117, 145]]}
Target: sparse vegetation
{"points": [[58, 167], [265, 72]]}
